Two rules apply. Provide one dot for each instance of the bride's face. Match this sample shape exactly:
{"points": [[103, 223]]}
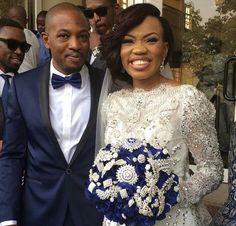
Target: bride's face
{"points": [[142, 52]]}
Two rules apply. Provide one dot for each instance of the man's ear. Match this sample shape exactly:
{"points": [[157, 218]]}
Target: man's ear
{"points": [[118, 8], [45, 39], [166, 49]]}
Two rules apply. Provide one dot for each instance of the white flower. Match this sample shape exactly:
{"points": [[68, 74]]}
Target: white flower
{"points": [[165, 151], [108, 166], [147, 167], [91, 186], [102, 194], [127, 174], [123, 193], [141, 158], [95, 177], [131, 202], [107, 183]]}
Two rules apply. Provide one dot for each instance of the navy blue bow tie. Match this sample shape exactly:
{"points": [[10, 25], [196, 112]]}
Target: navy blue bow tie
{"points": [[59, 81]]}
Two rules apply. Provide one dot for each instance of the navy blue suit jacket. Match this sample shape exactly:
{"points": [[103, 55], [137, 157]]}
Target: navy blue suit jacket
{"points": [[31, 152]]}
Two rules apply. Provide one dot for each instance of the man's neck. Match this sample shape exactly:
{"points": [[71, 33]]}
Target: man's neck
{"points": [[7, 72]]}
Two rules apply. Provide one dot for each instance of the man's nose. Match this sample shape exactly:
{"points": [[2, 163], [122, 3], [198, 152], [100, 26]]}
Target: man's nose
{"points": [[19, 50], [96, 17], [74, 43]]}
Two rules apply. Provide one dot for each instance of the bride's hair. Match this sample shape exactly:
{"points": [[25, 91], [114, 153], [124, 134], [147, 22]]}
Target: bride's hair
{"points": [[128, 19]]}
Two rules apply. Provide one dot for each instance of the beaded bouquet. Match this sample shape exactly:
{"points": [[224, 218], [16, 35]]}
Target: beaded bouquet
{"points": [[133, 183]]}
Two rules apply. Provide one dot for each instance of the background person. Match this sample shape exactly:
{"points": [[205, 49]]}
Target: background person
{"points": [[13, 48], [101, 16], [44, 53], [31, 59]]}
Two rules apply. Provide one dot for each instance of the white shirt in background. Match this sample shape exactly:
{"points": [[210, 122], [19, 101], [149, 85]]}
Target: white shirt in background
{"points": [[32, 56]]}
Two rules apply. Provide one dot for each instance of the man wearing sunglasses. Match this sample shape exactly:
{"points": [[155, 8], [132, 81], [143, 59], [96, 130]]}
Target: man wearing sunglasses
{"points": [[13, 47], [31, 60], [101, 16]]}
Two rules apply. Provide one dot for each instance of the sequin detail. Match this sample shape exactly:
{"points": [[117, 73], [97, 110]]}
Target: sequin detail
{"points": [[181, 119]]}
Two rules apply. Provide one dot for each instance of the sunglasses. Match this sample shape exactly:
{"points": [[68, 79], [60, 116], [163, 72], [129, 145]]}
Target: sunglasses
{"points": [[100, 11], [13, 44]]}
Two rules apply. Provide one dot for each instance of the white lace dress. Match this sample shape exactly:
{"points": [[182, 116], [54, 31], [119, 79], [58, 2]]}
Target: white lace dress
{"points": [[181, 119]]}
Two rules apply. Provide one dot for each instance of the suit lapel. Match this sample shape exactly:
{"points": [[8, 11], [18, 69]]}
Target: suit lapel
{"points": [[96, 83], [44, 103], [1, 118]]}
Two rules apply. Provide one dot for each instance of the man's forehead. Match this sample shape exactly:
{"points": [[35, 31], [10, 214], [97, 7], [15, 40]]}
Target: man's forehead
{"points": [[9, 32], [94, 3], [10, 29], [66, 17], [69, 26]]}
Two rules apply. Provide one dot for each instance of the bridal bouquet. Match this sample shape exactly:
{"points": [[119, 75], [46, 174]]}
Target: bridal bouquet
{"points": [[133, 184]]}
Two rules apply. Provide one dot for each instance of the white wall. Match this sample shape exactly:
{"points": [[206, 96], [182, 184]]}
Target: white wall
{"points": [[157, 3], [47, 4]]}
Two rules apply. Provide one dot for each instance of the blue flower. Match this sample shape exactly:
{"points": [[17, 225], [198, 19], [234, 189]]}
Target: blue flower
{"points": [[133, 184]]}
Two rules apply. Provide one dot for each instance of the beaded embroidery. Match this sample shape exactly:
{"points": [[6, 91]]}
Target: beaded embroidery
{"points": [[181, 119]]}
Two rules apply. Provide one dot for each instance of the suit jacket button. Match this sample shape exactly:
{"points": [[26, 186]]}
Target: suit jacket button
{"points": [[68, 171]]}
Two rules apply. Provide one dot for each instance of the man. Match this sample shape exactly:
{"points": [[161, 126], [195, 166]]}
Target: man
{"points": [[101, 15], [44, 54], [13, 47], [18, 14], [50, 131]]}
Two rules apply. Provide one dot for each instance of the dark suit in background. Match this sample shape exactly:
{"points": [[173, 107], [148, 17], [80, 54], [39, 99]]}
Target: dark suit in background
{"points": [[98, 62], [11, 56], [1, 118]]}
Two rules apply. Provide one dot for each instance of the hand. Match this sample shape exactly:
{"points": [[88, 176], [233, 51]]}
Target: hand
{"points": [[0, 145], [94, 38]]}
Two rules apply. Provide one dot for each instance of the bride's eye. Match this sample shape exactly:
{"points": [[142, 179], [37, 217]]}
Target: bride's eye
{"points": [[152, 40], [127, 41]]}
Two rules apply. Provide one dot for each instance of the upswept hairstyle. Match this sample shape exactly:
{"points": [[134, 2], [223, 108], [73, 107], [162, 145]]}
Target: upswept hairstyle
{"points": [[6, 22], [128, 19]]}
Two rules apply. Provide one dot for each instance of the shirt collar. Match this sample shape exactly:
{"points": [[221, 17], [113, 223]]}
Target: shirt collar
{"points": [[9, 73]]}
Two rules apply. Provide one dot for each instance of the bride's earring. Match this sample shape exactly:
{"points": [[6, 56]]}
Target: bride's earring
{"points": [[162, 66]]}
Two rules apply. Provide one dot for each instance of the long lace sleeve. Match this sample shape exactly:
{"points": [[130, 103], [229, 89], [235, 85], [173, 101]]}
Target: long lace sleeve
{"points": [[198, 128]]}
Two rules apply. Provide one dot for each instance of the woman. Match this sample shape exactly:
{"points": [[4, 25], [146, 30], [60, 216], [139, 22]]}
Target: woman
{"points": [[158, 112]]}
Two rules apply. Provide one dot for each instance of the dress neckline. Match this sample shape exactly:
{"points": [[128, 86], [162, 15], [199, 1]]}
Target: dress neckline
{"points": [[161, 87]]}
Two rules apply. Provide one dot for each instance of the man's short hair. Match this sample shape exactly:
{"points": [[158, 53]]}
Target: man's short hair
{"points": [[113, 2], [6, 22], [42, 13]]}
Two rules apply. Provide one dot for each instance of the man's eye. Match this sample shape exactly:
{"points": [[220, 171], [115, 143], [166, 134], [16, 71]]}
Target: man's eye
{"points": [[63, 36], [84, 37]]}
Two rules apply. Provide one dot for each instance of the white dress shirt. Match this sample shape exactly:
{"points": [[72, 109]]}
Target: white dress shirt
{"points": [[31, 59], [69, 111], [2, 82]]}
